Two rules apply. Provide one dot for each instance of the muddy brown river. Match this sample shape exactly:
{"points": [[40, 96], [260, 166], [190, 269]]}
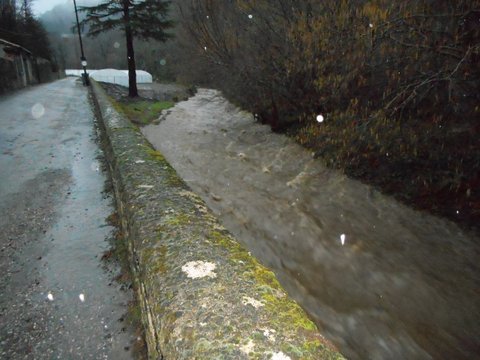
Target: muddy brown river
{"points": [[382, 281]]}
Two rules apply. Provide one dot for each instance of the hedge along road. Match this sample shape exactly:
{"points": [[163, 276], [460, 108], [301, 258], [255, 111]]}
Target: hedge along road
{"points": [[381, 280], [57, 300]]}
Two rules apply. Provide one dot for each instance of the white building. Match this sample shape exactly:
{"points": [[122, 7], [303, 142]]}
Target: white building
{"points": [[113, 76]]}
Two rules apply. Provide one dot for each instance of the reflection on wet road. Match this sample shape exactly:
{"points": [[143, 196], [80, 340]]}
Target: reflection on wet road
{"points": [[57, 299], [381, 280]]}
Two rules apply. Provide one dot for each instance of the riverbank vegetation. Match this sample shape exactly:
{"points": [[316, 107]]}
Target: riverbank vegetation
{"points": [[387, 91], [143, 112], [153, 99]]}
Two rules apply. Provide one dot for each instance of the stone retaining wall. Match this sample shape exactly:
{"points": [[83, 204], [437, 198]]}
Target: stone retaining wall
{"points": [[202, 295]]}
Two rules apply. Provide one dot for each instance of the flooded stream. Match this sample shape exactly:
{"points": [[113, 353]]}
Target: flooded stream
{"points": [[381, 280]]}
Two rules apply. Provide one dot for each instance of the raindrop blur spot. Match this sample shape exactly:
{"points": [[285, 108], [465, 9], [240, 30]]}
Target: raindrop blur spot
{"points": [[370, 25], [342, 239], [81, 297], [280, 356], [320, 118], [205, 48], [208, 17], [38, 110], [95, 166], [250, 16], [50, 296], [458, 212], [163, 62], [116, 44]]}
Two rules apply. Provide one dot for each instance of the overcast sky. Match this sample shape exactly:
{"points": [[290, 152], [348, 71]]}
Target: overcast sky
{"points": [[40, 6]]}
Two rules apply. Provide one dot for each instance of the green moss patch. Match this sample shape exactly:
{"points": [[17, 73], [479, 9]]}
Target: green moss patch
{"points": [[142, 112]]}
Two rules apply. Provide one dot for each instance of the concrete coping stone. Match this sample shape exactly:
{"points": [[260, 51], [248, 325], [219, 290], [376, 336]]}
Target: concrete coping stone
{"points": [[202, 295]]}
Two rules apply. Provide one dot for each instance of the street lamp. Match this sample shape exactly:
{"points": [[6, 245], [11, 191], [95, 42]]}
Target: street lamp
{"points": [[83, 60]]}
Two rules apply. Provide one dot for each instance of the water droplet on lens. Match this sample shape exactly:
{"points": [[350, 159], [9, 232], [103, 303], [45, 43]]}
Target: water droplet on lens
{"points": [[38, 110], [116, 44], [342, 239], [320, 118], [95, 166]]}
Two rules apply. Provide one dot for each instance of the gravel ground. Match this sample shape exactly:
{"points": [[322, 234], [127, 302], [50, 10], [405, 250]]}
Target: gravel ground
{"points": [[154, 91]]}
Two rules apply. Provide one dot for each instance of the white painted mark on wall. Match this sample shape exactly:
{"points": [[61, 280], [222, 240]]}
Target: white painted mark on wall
{"points": [[250, 301], [280, 356], [248, 348], [199, 269], [145, 186]]}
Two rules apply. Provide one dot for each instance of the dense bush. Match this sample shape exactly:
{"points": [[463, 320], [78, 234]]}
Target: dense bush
{"points": [[409, 58], [398, 82]]}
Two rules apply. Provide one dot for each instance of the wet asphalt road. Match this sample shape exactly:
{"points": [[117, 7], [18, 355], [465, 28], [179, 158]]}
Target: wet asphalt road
{"points": [[58, 300]]}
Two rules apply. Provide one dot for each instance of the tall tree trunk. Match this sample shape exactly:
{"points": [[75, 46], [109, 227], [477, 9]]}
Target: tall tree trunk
{"points": [[132, 75]]}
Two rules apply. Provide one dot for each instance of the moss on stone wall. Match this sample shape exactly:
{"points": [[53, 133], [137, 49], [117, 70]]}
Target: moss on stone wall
{"points": [[203, 295]]}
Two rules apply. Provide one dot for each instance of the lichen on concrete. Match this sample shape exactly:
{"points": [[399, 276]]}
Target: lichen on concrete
{"points": [[203, 296]]}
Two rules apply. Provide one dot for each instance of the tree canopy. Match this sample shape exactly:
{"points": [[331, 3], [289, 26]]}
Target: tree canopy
{"points": [[147, 19], [18, 25]]}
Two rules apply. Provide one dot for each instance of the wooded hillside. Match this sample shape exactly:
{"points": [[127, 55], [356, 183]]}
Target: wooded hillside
{"points": [[18, 25]]}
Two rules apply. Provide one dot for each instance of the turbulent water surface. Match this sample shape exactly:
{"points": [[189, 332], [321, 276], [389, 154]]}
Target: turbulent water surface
{"points": [[381, 280]]}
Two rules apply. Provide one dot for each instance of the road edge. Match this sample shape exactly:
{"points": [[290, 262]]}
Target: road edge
{"points": [[202, 295]]}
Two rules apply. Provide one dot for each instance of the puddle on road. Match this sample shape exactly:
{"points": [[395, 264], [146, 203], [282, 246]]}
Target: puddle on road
{"points": [[381, 280], [89, 307]]}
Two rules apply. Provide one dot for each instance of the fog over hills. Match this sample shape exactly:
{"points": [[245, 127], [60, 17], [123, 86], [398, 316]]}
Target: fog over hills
{"points": [[61, 18]]}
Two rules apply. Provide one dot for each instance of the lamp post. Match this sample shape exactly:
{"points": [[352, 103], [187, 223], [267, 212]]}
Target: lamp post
{"points": [[83, 60]]}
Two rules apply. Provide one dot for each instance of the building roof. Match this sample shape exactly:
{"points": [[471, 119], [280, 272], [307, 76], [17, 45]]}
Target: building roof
{"points": [[12, 47]]}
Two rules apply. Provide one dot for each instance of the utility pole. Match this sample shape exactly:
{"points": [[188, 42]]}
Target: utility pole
{"points": [[83, 60]]}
